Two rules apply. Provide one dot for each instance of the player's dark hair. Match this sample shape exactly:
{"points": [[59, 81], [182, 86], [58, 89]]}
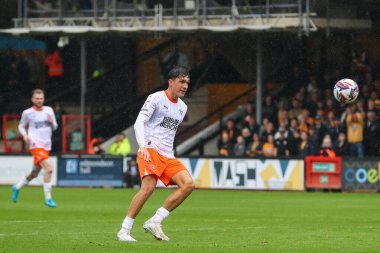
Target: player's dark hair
{"points": [[38, 91], [178, 71]]}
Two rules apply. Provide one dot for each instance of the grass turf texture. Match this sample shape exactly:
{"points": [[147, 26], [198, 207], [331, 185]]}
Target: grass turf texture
{"points": [[87, 220]]}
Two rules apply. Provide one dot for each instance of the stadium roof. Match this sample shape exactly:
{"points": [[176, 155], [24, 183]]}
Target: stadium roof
{"points": [[215, 24], [90, 29], [281, 16], [292, 16]]}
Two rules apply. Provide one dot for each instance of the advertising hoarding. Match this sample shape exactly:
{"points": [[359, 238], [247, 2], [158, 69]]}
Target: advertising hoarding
{"points": [[90, 171], [323, 172], [270, 174], [361, 174], [13, 168]]}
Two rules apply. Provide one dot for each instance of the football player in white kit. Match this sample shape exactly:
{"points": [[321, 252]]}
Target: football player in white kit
{"points": [[36, 126], [155, 130]]}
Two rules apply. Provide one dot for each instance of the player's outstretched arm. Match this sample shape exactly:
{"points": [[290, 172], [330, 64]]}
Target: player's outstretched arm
{"points": [[22, 127], [145, 114], [139, 131], [52, 120]]}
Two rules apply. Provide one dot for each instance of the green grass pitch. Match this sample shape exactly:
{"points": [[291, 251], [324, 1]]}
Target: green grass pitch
{"points": [[87, 220]]}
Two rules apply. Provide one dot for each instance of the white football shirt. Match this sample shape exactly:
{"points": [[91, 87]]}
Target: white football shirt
{"points": [[158, 121], [36, 124]]}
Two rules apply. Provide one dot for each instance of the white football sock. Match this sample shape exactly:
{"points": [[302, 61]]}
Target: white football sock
{"points": [[47, 190], [127, 224], [160, 215], [21, 183]]}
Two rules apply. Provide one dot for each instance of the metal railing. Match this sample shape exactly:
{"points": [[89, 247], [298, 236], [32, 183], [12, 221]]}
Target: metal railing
{"points": [[201, 10], [218, 115]]}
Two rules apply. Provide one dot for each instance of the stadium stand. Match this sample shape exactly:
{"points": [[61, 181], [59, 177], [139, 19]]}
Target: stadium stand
{"points": [[214, 60]]}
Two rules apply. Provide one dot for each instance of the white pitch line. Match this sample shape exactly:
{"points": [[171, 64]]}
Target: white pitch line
{"points": [[216, 228], [52, 233], [50, 221], [114, 232], [24, 221]]}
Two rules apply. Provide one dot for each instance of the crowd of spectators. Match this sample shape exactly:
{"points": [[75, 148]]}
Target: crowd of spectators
{"points": [[309, 122], [305, 120]]}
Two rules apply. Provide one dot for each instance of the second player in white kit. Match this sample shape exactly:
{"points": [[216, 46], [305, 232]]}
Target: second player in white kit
{"points": [[36, 126]]}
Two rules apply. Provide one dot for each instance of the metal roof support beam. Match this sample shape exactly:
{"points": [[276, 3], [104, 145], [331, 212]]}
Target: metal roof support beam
{"points": [[259, 81], [82, 82]]}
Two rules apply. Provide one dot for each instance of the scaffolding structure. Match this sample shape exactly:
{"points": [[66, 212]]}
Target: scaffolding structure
{"points": [[181, 16]]}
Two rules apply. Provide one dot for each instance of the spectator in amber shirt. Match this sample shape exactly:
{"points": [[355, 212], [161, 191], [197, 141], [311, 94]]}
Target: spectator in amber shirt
{"points": [[269, 149], [255, 147], [355, 128]]}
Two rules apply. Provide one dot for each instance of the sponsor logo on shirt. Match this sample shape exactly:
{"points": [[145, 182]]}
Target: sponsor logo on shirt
{"points": [[41, 124], [169, 123]]}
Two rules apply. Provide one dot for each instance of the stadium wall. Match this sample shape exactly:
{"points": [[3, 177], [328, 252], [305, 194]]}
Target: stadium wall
{"points": [[352, 174], [98, 171], [361, 175], [13, 168], [258, 174]]}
